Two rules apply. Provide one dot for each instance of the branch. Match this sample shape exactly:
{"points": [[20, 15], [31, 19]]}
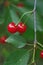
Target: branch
{"points": [[35, 21], [35, 40]]}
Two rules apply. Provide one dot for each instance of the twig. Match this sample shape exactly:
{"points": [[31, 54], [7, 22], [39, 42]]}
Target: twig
{"points": [[40, 48], [35, 40], [40, 44]]}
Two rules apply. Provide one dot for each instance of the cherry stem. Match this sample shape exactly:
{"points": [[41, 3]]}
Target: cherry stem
{"points": [[40, 48], [40, 44], [25, 14], [29, 12], [30, 44], [30, 49]]}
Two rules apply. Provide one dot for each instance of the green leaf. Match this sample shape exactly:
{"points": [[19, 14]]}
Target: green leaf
{"points": [[16, 40], [19, 57], [13, 15]]}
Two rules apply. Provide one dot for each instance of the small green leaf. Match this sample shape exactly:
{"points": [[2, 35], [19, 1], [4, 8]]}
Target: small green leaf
{"points": [[13, 15], [17, 40]]}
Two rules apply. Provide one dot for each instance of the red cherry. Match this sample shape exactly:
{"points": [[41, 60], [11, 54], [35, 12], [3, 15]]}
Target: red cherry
{"points": [[21, 27], [2, 39], [20, 4], [6, 3], [41, 54], [12, 28]]}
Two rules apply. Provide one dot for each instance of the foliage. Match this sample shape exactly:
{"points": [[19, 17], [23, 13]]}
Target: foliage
{"points": [[19, 48]]}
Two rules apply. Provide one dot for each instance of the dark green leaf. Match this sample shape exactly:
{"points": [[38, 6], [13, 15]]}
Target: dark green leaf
{"points": [[19, 57]]}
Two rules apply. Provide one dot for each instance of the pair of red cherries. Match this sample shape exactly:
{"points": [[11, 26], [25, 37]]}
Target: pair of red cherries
{"points": [[13, 28]]}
